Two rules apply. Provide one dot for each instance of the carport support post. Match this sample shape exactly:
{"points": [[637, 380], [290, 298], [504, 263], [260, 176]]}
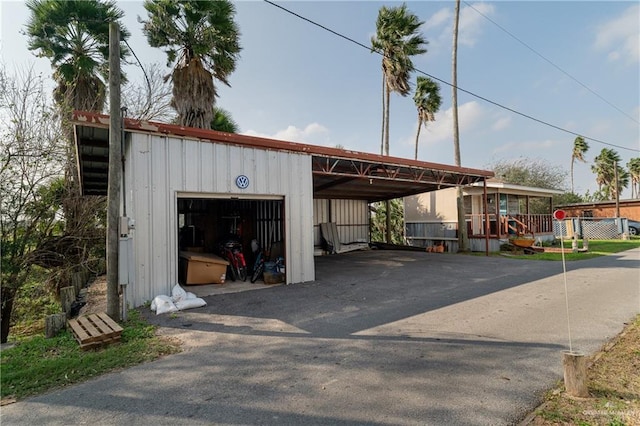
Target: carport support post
{"points": [[113, 191]]}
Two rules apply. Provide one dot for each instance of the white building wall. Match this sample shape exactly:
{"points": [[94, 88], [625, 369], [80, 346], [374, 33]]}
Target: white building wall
{"points": [[160, 167], [436, 206]]}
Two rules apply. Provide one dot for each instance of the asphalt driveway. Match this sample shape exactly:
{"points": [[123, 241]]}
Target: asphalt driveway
{"points": [[380, 338]]}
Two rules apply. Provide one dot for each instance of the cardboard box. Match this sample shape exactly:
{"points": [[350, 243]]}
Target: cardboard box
{"points": [[273, 277], [203, 268]]}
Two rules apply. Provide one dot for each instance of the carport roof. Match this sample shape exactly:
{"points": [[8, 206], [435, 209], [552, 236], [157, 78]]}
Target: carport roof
{"points": [[337, 173]]}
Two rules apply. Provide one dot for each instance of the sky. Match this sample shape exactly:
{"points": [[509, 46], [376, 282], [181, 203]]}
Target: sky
{"points": [[572, 64]]}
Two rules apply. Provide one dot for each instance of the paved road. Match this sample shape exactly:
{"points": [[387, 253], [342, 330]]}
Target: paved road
{"points": [[381, 338]]}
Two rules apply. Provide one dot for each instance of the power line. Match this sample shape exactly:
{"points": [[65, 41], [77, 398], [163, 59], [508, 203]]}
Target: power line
{"points": [[551, 62], [451, 85]]}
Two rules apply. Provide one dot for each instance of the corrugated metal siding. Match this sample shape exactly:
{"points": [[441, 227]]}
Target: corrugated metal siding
{"points": [[158, 168], [352, 219], [320, 215], [350, 216]]}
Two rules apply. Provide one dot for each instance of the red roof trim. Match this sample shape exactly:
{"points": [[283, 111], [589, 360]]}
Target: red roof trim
{"points": [[101, 120]]}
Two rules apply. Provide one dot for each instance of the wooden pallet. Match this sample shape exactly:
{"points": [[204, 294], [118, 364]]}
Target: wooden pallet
{"points": [[95, 330]]}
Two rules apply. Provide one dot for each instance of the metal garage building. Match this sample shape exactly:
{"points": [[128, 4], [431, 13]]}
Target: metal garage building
{"points": [[184, 186]]}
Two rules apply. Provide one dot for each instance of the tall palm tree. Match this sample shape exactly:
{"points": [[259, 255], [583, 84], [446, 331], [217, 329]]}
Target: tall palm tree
{"points": [[606, 167], [463, 237], [201, 40], [634, 173], [74, 35], [580, 147], [397, 39], [427, 99]]}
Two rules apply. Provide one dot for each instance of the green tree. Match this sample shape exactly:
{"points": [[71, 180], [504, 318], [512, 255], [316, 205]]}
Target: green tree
{"points": [[379, 223], [634, 173], [32, 159], [427, 99], [201, 40], [223, 121], [398, 40], [606, 168], [463, 237], [74, 36], [580, 147]]}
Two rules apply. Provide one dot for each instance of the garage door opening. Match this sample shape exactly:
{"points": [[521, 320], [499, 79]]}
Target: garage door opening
{"points": [[205, 224]]}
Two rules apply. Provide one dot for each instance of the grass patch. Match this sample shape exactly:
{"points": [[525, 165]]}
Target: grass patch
{"points": [[34, 301], [596, 248], [36, 364], [614, 388]]}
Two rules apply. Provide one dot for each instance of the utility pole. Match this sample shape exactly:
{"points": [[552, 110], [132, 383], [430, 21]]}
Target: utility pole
{"points": [[113, 191]]}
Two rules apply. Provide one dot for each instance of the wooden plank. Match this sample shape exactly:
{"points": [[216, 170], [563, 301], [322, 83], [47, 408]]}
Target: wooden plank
{"points": [[67, 297], [103, 327], [111, 323], [85, 322], [78, 330], [95, 330], [91, 345]]}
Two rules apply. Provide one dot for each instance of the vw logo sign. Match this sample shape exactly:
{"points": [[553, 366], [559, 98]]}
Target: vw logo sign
{"points": [[242, 182]]}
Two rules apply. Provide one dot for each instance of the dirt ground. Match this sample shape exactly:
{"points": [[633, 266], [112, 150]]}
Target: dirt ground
{"points": [[96, 297]]}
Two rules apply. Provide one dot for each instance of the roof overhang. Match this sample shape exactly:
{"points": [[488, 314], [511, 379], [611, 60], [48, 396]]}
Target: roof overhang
{"points": [[337, 173], [510, 188]]}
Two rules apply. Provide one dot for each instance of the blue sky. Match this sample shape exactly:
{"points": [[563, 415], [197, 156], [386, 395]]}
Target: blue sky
{"points": [[297, 82]]}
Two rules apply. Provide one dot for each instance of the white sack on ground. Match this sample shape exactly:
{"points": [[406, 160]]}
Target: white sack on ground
{"points": [[190, 303], [163, 304], [179, 301]]}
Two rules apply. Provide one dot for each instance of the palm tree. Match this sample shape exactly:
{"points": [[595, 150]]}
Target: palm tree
{"points": [[634, 173], [74, 35], [607, 170], [463, 238], [580, 147], [223, 122], [397, 39], [427, 99], [201, 42]]}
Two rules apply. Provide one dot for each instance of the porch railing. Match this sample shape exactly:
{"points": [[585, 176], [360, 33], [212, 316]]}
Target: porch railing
{"points": [[502, 226]]}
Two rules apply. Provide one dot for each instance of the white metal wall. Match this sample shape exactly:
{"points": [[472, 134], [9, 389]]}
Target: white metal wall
{"points": [[159, 167], [350, 216]]}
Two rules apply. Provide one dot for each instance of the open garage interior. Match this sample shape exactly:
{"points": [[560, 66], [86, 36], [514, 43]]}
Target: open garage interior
{"points": [[204, 224]]}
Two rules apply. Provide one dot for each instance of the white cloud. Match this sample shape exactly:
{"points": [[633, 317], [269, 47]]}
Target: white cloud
{"points": [[313, 133], [620, 37], [469, 115], [471, 22], [443, 16], [473, 120], [469, 28], [501, 123], [524, 147]]}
